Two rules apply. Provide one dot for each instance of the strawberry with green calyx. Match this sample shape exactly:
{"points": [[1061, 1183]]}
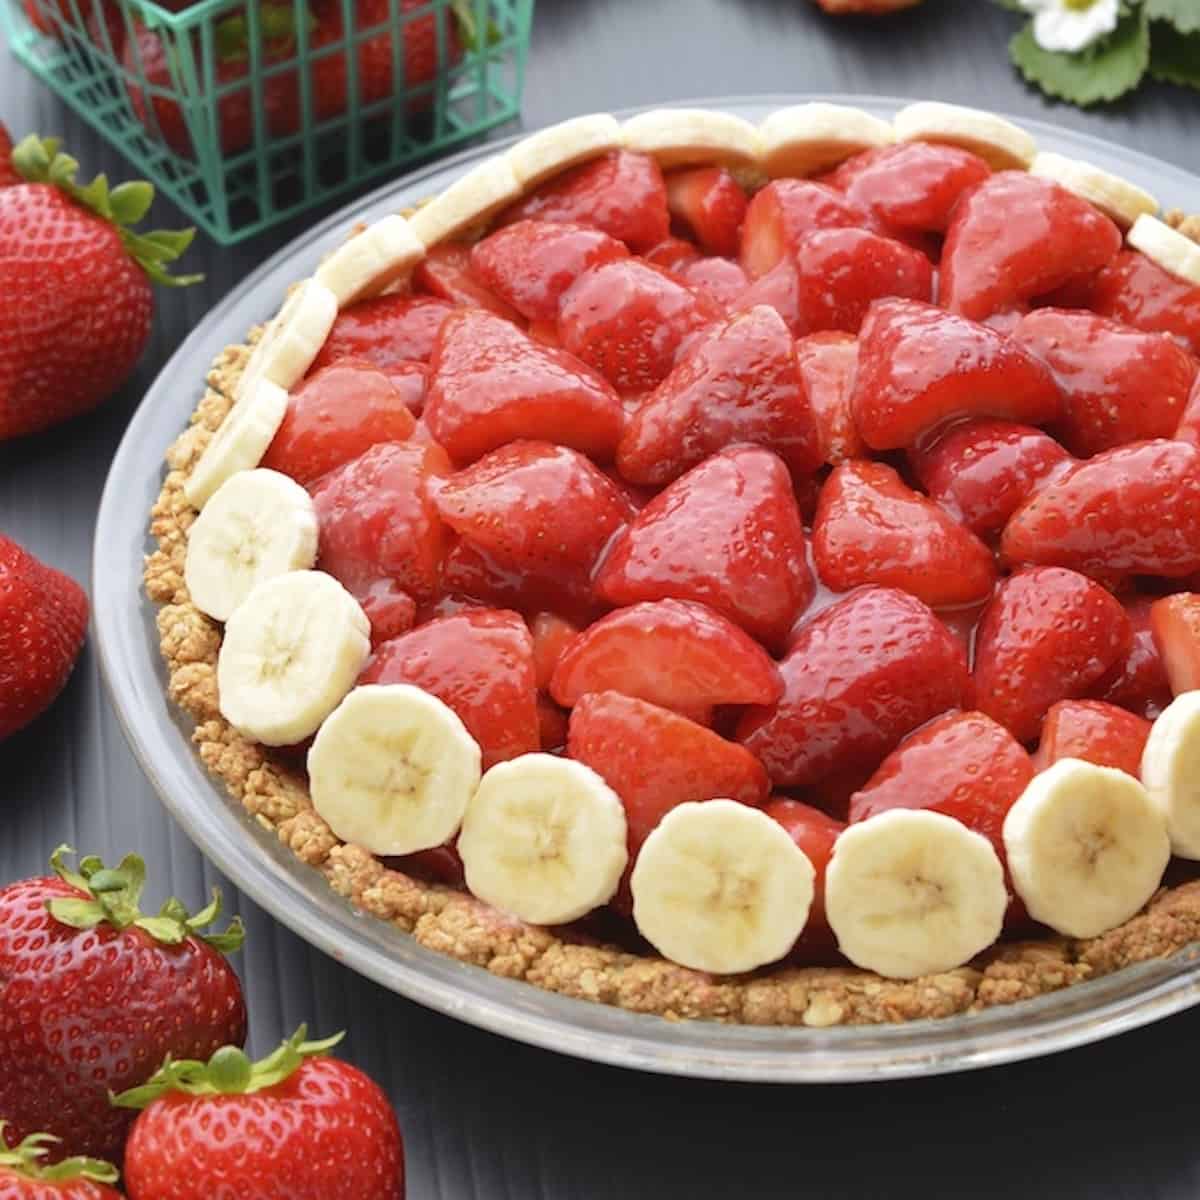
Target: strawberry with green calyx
{"points": [[298, 1115], [24, 1174], [94, 994], [76, 301]]}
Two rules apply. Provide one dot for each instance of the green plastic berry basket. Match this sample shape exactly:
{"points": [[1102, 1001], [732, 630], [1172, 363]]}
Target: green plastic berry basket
{"points": [[247, 114]]}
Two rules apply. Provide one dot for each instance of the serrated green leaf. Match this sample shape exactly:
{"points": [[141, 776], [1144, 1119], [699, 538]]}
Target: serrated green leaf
{"points": [[1175, 56], [1102, 72], [1184, 15]]}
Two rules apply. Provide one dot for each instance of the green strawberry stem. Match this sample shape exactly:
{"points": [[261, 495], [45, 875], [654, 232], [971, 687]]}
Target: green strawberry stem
{"points": [[25, 1159], [228, 1073], [112, 898], [276, 22], [40, 161]]}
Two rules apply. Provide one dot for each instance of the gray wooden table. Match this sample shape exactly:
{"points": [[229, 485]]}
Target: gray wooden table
{"points": [[486, 1119]]}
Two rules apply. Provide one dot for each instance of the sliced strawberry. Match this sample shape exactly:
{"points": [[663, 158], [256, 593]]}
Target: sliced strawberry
{"points": [[378, 519], [1048, 634], [815, 833], [1006, 320], [963, 765], [336, 414], [673, 254], [1140, 293], [1175, 625], [828, 362], [622, 194], [720, 279], [530, 264], [981, 472], [491, 385], [628, 320], [920, 367], [911, 187], [446, 272], [710, 203], [1015, 236], [1118, 384], [552, 725], [860, 675], [1138, 681], [545, 333], [480, 663], [872, 528], [1095, 732], [541, 513], [738, 382], [834, 276], [726, 534], [551, 634], [674, 653], [442, 864], [389, 331], [784, 211], [1188, 429], [389, 608], [1132, 510]]}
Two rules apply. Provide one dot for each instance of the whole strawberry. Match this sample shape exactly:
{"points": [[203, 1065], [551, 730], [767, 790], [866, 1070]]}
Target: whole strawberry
{"points": [[75, 295], [94, 995], [25, 1176], [298, 1124], [8, 173], [43, 619]]}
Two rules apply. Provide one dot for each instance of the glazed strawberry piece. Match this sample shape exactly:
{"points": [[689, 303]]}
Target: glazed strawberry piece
{"points": [[492, 385], [911, 187], [551, 635], [920, 367], [674, 653], [543, 515], [388, 332], [1048, 634], [388, 607], [815, 833], [860, 675], [1118, 384], [1175, 626], [378, 519], [446, 272], [1138, 292], [1138, 681], [552, 725], [336, 415], [872, 528], [1133, 510], [673, 254], [738, 383], [1015, 236], [784, 211], [442, 864], [828, 363], [963, 765], [1188, 429], [628, 320], [834, 276], [480, 663], [530, 264], [1095, 732], [710, 203], [720, 279], [982, 471], [726, 534], [622, 194]]}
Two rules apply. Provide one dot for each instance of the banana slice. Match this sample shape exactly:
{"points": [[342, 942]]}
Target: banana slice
{"points": [[564, 145], [292, 649], [1167, 247], [676, 136], [257, 524], [292, 339], [239, 442], [1171, 772], [371, 261], [720, 887], [544, 839], [1112, 195], [468, 201], [809, 138], [1086, 847], [999, 142], [392, 769], [912, 892]]}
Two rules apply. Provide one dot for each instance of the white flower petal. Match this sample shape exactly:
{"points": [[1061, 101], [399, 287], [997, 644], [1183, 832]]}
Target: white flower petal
{"points": [[1060, 29]]}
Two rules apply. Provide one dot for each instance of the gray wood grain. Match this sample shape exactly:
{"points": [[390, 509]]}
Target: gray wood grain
{"points": [[485, 1119]]}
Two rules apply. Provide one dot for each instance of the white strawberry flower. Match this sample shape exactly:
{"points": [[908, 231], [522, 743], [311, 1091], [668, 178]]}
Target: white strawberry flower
{"points": [[1068, 26]]}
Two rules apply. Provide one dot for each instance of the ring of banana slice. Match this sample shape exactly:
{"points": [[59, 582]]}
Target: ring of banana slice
{"points": [[718, 889]]}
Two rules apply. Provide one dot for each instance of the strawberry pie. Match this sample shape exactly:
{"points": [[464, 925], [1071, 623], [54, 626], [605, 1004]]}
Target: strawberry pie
{"points": [[730, 571]]}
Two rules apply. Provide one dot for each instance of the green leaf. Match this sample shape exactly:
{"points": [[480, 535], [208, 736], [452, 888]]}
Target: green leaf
{"points": [[1184, 15], [1175, 56], [78, 914], [25, 1160], [1104, 71], [131, 201], [1011, 5]]}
